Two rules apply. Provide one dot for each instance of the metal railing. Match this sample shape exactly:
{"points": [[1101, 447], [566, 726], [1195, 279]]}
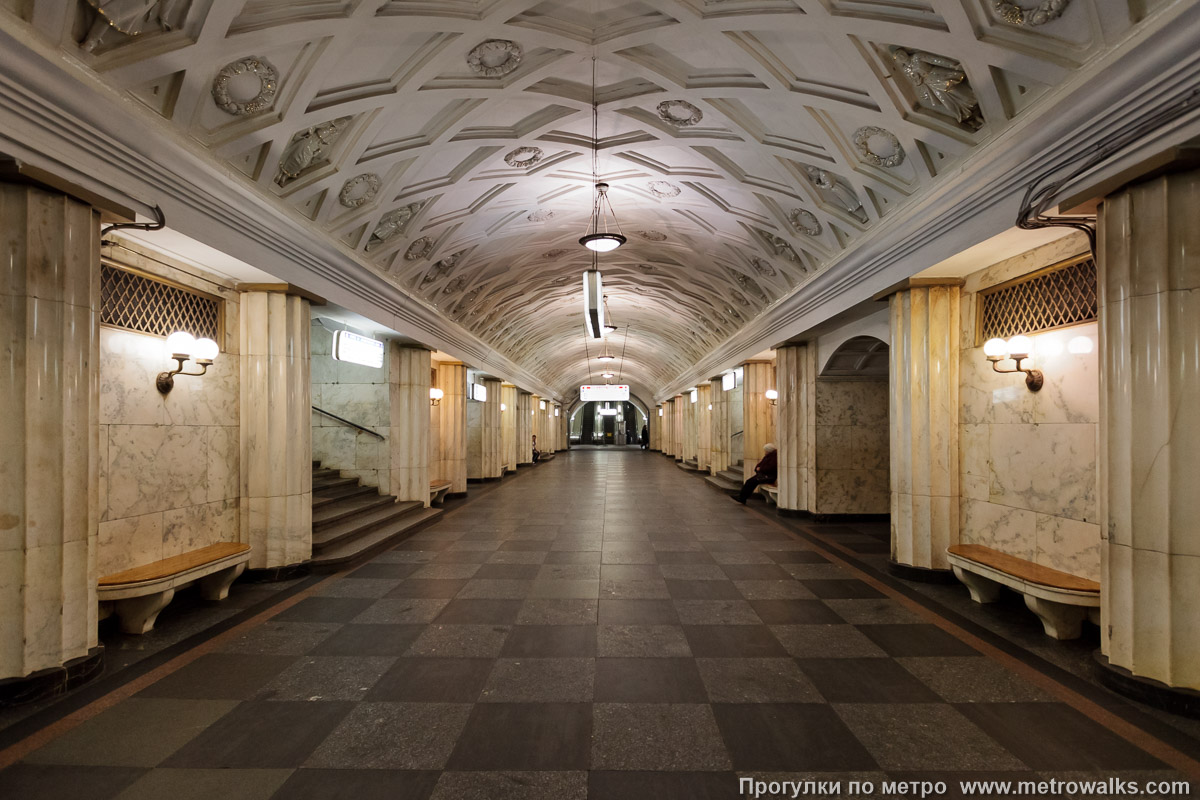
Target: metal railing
{"points": [[345, 421]]}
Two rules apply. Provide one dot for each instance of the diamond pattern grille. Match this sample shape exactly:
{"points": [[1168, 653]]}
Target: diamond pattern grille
{"points": [[1061, 296], [138, 303]]}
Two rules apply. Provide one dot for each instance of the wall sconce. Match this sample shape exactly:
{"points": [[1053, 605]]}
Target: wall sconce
{"points": [[1018, 349], [710, 406], [503, 408], [660, 411], [772, 395], [182, 346], [542, 405], [694, 394], [435, 396], [556, 411]]}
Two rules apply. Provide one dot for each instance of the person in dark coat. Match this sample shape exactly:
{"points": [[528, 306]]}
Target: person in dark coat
{"points": [[765, 471], [645, 436]]}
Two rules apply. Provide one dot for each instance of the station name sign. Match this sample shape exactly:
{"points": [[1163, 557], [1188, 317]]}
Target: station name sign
{"points": [[606, 393]]}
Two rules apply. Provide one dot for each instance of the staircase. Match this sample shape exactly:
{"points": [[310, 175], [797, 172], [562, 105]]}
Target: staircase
{"points": [[352, 521], [728, 480], [690, 465]]}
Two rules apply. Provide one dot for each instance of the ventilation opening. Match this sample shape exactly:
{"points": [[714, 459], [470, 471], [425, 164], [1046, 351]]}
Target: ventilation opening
{"points": [[133, 301], [1055, 297]]}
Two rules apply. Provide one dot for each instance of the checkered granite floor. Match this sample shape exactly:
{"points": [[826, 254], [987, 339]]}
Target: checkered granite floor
{"points": [[603, 625]]}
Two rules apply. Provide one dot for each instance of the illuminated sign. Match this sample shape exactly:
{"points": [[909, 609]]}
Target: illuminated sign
{"points": [[356, 349], [607, 392], [728, 381], [479, 392]]}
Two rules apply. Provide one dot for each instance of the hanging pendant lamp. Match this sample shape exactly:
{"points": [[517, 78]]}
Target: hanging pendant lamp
{"points": [[598, 237]]}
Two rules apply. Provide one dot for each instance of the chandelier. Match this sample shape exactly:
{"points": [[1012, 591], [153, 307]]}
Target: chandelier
{"points": [[599, 237]]}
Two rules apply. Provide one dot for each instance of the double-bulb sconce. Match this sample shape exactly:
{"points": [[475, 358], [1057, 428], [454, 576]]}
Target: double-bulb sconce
{"points": [[435, 396], [772, 396], [1018, 348], [183, 346]]}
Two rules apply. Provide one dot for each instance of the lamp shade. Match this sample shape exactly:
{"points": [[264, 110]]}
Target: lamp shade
{"points": [[995, 348], [206, 350], [771, 394], [181, 343], [435, 393], [602, 242], [1019, 347]]}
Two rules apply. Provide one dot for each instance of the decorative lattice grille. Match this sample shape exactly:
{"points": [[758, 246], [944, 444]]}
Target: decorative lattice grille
{"points": [[140, 303], [1062, 295]]}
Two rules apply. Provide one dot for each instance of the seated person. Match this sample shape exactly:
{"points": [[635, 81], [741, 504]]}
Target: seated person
{"points": [[536, 453], [765, 471]]}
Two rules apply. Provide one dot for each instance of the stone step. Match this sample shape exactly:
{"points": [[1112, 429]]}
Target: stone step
{"points": [[345, 508], [350, 551], [724, 484], [733, 476], [690, 466], [323, 498], [360, 524], [328, 482]]}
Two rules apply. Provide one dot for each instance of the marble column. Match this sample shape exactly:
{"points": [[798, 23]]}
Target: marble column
{"points": [[493, 458], [1149, 283], [408, 436], [690, 438], [276, 425], [924, 425], [452, 428], [669, 428], [704, 427], [525, 408], [49, 442], [508, 426], [655, 423], [719, 425], [564, 431], [758, 415], [535, 423], [795, 374], [677, 427]]}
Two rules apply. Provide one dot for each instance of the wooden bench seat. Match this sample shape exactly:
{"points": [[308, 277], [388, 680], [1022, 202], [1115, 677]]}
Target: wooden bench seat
{"points": [[438, 490], [1061, 600], [137, 595]]}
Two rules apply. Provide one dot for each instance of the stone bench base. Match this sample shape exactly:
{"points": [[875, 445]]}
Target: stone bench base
{"points": [[438, 491], [138, 595]]}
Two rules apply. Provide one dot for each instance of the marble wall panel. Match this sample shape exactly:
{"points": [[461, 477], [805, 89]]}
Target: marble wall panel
{"points": [[851, 447], [1004, 528], [852, 491]]}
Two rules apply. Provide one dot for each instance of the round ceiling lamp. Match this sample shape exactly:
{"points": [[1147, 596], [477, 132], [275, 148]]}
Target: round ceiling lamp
{"points": [[602, 241]]}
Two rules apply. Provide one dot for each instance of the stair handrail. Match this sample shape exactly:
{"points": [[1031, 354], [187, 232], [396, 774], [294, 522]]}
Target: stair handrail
{"points": [[345, 421]]}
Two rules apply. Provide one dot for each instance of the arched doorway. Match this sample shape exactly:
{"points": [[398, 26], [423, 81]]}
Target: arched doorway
{"points": [[597, 423]]}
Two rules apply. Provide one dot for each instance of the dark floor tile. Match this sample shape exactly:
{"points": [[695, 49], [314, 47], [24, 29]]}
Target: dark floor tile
{"points": [[526, 544], [841, 589], [433, 680], [790, 737], [1053, 736], [657, 736], [525, 736], [384, 735], [630, 572], [732, 641], [384, 571], [325, 609], [262, 735], [513, 785], [870, 547], [755, 572], [684, 557], [765, 535], [508, 571], [358, 784], [497, 612], [638, 612], [573, 557], [424, 544], [797, 557], [551, 641], [916, 640], [703, 590], [427, 588], [47, 782], [865, 680], [794, 612], [220, 676], [369, 640], [462, 556], [612, 785], [648, 680]]}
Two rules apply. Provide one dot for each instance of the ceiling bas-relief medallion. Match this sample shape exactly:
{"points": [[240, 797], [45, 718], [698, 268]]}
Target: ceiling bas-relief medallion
{"points": [[540, 215], [878, 146], [835, 190], [238, 79], [118, 21], [652, 236], [392, 224], [495, 58], [418, 249], [940, 84], [805, 222], [663, 189], [524, 157], [679, 113], [359, 190], [1047, 11], [307, 148], [555, 253], [456, 285], [762, 267]]}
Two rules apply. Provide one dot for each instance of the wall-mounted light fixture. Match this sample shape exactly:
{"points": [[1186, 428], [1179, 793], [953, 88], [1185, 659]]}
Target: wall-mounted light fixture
{"points": [[660, 411], [182, 346], [710, 406], [694, 394], [556, 411], [503, 408], [435, 395], [772, 396], [542, 405], [1018, 349]]}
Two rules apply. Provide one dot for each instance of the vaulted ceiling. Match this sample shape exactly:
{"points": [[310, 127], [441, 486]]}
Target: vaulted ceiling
{"points": [[448, 143]]}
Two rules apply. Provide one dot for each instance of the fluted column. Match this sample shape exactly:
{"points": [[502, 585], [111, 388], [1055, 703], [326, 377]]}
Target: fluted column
{"points": [[535, 426], [690, 439], [452, 428], [656, 426], [276, 423], [524, 427], [795, 374], [704, 427], [508, 426], [924, 422], [719, 425], [677, 427], [564, 432], [49, 440], [669, 444], [493, 459], [408, 437], [1149, 259], [758, 415]]}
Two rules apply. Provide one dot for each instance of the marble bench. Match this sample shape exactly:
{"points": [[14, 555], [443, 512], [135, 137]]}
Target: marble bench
{"points": [[770, 491], [438, 491], [1061, 601], [138, 595]]}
